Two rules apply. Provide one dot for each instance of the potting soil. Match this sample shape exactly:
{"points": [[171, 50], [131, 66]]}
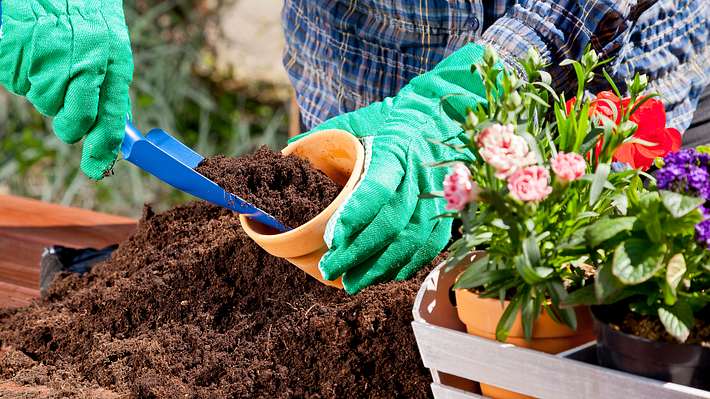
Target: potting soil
{"points": [[653, 329], [287, 187], [190, 307]]}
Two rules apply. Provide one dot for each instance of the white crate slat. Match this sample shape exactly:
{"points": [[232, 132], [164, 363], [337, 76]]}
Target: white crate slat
{"points": [[534, 373], [445, 347], [443, 392]]}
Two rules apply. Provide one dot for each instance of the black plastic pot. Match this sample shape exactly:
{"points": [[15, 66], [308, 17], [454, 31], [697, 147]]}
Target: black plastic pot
{"points": [[682, 364]]}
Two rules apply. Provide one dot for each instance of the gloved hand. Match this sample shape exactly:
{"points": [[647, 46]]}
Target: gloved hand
{"points": [[385, 231], [72, 60]]}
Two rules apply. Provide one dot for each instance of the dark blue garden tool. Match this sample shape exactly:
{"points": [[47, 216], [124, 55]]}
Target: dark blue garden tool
{"points": [[171, 161]]}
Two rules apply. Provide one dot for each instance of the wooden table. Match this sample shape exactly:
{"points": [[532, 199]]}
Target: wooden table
{"points": [[28, 226]]}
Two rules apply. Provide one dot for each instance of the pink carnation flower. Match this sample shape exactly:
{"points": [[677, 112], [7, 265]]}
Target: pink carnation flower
{"points": [[530, 184], [568, 166], [459, 188], [501, 148]]}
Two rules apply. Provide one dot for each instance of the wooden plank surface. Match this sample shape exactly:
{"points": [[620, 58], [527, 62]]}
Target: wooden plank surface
{"points": [[28, 226]]}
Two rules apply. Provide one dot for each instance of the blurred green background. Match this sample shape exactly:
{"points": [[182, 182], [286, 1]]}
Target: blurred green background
{"points": [[177, 86]]}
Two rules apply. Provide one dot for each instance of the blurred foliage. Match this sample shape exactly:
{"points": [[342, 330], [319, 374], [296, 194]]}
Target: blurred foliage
{"points": [[173, 88]]}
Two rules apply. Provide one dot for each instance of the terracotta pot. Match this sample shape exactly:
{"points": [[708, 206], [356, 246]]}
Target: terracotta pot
{"points": [[341, 157], [481, 315]]}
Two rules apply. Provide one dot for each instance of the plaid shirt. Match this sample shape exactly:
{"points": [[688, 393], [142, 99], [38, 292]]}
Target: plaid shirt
{"points": [[344, 54]]}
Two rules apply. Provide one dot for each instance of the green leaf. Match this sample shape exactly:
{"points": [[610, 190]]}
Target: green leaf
{"points": [[567, 62], [477, 267], [580, 73], [582, 127], [482, 279], [526, 271], [607, 286], [632, 193], [458, 251], [537, 99], [559, 295], [531, 250], [529, 312], [508, 318], [621, 203], [611, 83], [607, 228], [684, 225], [583, 296], [585, 215], [674, 274], [678, 320], [637, 260], [600, 177], [590, 140], [549, 89], [652, 226], [679, 205]]}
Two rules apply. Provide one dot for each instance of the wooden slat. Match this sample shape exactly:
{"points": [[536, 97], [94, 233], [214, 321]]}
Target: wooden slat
{"points": [[28, 226], [446, 348], [534, 373], [443, 392]]}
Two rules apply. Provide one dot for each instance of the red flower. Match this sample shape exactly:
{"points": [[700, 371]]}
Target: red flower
{"points": [[605, 104], [651, 120]]}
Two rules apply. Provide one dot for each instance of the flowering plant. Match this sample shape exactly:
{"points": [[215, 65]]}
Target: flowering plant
{"points": [[653, 258], [540, 174]]}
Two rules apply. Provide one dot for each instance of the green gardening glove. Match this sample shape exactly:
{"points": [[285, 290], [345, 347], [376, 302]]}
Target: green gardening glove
{"points": [[384, 230], [72, 60]]}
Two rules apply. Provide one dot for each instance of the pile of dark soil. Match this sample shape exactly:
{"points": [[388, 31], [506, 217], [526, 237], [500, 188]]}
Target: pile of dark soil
{"points": [[288, 187], [653, 329], [190, 307]]}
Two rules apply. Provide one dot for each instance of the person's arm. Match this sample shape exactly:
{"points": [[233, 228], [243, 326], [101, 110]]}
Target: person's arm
{"points": [[666, 40], [670, 44], [562, 29]]}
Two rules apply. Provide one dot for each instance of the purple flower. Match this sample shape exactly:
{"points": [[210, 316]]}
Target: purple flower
{"points": [[702, 233], [685, 172], [682, 157]]}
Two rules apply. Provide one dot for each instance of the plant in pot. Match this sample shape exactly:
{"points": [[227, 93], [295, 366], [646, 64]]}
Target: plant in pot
{"points": [[653, 284], [541, 173]]}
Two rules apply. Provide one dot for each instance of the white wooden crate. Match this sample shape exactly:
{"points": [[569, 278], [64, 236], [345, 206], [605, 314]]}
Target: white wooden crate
{"points": [[448, 351]]}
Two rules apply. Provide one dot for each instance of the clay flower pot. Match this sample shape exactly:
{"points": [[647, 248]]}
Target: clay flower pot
{"points": [[341, 157], [679, 363], [481, 315]]}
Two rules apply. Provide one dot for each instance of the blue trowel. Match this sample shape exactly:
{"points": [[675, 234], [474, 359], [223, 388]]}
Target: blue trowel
{"points": [[171, 161]]}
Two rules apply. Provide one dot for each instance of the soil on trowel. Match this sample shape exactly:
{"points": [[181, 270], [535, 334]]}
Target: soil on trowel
{"points": [[652, 328], [190, 307], [287, 187]]}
